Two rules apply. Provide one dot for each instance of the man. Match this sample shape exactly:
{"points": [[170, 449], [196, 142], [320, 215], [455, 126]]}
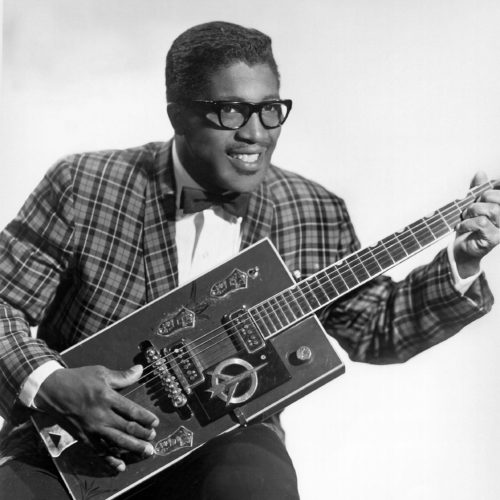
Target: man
{"points": [[107, 232]]}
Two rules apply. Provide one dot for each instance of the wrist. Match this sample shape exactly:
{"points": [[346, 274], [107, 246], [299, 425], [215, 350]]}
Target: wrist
{"points": [[467, 265], [44, 396]]}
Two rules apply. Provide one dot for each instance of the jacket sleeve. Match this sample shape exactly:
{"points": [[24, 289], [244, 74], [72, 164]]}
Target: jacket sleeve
{"points": [[35, 254], [387, 322]]}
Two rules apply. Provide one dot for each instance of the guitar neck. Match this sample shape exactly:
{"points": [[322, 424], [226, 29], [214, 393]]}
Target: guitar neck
{"points": [[308, 296]]}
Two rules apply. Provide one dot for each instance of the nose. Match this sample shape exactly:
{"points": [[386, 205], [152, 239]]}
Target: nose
{"points": [[253, 131]]}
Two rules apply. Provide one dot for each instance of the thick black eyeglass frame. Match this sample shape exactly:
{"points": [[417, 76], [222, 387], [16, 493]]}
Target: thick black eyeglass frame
{"points": [[252, 107]]}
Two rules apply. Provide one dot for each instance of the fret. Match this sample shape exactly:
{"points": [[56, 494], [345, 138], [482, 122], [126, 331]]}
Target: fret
{"points": [[454, 218], [438, 223], [409, 242], [327, 285], [382, 255], [310, 294], [394, 247], [277, 309], [319, 289], [357, 267], [298, 299], [438, 227], [302, 299], [347, 275], [272, 315], [422, 232], [369, 261], [337, 279], [450, 214], [262, 320], [293, 304], [286, 308], [261, 325]]}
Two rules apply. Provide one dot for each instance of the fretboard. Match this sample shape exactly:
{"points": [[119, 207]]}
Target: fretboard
{"points": [[308, 296]]}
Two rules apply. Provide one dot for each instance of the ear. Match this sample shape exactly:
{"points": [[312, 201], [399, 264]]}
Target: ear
{"points": [[176, 115]]}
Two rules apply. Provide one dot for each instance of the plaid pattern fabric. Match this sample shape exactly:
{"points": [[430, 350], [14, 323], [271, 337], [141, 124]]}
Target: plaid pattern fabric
{"points": [[96, 240]]}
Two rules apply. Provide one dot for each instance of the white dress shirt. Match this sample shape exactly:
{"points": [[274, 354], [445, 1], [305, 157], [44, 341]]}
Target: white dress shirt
{"points": [[204, 239]]}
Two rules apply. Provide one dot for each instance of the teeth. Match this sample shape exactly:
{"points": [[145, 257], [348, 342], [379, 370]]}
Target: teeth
{"points": [[246, 158]]}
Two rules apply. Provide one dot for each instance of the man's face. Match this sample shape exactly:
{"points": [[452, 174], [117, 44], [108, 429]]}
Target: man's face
{"points": [[230, 160]]}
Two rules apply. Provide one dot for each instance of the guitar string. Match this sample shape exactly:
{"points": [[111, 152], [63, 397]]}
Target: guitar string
{"points": [[410, 233], [303, 297], [301, 300], [214, 344]]}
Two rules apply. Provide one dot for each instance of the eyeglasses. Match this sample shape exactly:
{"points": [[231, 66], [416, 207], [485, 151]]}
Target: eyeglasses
{"points": [[232, 115]]}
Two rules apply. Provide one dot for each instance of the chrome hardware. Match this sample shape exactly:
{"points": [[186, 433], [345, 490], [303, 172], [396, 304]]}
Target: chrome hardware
{"points": [[301, 355], [236, 280], [253, 272], [181, 319], [225, 385], [181, 438], [244, 330], [160, 369]]}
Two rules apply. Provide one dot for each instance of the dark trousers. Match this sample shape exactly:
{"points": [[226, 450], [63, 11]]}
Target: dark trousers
{"points": [[249, 464]]}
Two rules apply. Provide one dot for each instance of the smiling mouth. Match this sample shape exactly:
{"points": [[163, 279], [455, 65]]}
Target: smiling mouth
{"points": [[246, 158]]}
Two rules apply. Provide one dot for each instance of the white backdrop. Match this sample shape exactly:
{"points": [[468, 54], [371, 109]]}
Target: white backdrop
{"points": [[396, 105]]}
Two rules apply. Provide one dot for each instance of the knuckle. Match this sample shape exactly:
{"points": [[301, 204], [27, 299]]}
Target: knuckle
{"points": [[100, 369], [100, 372], [131, 428], [104, 395], [482, 221], [134, 412]]}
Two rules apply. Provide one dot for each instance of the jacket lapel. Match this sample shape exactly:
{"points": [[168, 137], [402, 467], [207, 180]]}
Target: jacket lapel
{"points": [[160, 251], [257, 223]]}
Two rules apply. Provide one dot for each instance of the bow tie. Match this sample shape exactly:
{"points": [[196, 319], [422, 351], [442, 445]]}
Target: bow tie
{"points": [[196, 200]]}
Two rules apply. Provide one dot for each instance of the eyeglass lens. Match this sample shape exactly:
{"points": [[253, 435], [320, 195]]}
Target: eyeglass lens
{"points": [[234, 115]]}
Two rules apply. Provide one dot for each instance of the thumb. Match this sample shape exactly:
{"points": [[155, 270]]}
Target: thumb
{"points": [[118, 379], [479, 178]]}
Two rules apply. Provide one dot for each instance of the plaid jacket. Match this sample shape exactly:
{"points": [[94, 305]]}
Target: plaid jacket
{"points": [[95, 241]]}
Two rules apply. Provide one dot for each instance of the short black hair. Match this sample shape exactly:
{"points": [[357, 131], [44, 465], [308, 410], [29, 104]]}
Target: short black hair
{"points": [[204, 49]]}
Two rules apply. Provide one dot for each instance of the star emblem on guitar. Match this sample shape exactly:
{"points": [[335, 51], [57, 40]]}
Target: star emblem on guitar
{"points": [[234, 380]]}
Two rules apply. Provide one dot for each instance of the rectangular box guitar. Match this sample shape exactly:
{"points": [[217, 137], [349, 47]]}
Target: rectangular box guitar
{"points": [[233, 346]]}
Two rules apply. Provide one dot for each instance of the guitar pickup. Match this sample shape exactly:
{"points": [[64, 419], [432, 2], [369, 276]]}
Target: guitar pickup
{"points": [[243, 330], [184, 364]]}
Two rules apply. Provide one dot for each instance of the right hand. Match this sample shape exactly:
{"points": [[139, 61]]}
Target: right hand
{"points": [[97, 414]]}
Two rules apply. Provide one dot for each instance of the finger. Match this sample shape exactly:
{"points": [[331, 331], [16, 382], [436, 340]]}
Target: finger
{"points": [[126, 442], [115, 463], [479, 178], [489, 210], [134, 429], [480, 224], [133, 412], [119, 379], [491, 196]]}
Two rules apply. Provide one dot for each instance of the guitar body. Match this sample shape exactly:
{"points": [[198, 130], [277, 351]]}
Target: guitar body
{"points": [[210, 367]]}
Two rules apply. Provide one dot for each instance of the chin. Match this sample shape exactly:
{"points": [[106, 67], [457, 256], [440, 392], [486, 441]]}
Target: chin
{"points": [[246, 183]]}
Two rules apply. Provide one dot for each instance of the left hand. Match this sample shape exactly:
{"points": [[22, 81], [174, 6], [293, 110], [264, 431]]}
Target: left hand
{"points": [[479, 231]]}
